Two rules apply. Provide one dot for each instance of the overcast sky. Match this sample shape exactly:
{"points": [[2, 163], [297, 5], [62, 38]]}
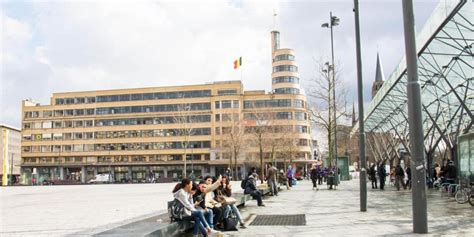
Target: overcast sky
{"points": [[62, 46]]}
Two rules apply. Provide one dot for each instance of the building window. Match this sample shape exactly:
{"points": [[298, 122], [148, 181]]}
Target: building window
{"points": [[301, 129], [226, 104], [285, 68], [217, 105], [283, 115], [302, 142], [47, 114], [287, 91], [235, 104], [282, 57], [226, 92], [267, 103], [298, 103], [285, 79]]}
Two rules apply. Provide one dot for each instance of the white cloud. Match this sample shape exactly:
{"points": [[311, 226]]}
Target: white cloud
{"points": [[86, 45]]}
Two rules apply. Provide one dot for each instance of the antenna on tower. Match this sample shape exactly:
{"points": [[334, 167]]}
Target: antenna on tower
{"points": [[274, 18]]}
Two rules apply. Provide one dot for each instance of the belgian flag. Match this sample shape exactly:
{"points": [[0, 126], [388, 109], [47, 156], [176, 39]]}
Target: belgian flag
{"points": [[238, 63]]}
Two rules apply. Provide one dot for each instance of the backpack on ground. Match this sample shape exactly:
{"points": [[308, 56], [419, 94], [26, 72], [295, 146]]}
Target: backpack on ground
{"points": [[243, 183], [176, 210], [230, 224]]}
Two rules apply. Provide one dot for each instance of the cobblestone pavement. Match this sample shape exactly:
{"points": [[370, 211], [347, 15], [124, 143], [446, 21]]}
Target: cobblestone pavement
{"points": [[336, 213], [65, 210]]}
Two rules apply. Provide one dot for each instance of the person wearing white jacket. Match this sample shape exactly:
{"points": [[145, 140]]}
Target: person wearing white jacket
{"points": [[183, 193]]}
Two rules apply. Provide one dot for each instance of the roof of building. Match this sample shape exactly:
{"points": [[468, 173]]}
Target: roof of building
{"points": [[9, 127]]}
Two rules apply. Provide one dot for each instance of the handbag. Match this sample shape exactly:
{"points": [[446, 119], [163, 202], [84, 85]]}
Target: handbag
{"points": [[224, 200]]}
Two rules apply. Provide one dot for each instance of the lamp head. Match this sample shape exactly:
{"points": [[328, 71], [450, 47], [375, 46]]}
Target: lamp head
{"points": [[335, 21]]}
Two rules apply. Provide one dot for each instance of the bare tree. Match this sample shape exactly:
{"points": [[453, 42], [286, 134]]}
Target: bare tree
{"points": [[289, 144], [322, 102], [258, 128], [232, 139], [183, 117]]}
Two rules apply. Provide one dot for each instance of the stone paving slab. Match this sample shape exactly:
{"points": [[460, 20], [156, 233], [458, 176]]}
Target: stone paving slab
{"points": [[90, 209], [336, 213]]}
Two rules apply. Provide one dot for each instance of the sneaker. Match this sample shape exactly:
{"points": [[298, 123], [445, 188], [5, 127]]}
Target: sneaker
{"points": [[242, 226], [261, 205], [213, 232]]}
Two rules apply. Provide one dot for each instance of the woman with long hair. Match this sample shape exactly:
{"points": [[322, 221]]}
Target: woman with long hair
{"points": [[183, 193], [225, 189]]}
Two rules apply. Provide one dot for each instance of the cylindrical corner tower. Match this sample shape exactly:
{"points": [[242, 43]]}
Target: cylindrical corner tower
{"points": [[285, 76]]}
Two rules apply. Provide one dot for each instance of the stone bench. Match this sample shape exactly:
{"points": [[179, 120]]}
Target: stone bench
{"points": [[151, 227]]}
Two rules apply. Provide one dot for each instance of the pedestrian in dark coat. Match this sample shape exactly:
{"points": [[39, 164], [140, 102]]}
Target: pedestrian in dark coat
{"points": [[373, 176], [382, 173]]}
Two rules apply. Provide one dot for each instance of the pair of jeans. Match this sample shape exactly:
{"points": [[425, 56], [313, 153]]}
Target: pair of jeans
{"points": [[200, 223], [235, 210], [257, 195], [273, 186], [209, 215]]}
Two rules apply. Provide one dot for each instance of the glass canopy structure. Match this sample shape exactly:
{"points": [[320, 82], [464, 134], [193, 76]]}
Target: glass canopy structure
{"points": [[445, 61]]}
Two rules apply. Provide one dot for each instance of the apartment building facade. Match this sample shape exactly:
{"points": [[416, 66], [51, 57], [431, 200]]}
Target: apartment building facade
{"points": [[134, 134]]}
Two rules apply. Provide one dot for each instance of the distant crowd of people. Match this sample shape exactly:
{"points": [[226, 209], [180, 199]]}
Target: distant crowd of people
{"points": [[402, 177]]}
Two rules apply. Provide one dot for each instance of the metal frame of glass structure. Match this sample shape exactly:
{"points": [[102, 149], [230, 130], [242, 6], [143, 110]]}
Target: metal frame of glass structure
{"points": [[445, 59]]}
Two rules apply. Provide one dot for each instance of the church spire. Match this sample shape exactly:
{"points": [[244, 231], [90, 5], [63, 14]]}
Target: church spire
{"points": [[379, 77], [379, 70], [354, 120]]}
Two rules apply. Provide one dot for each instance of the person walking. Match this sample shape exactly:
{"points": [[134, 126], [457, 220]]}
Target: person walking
{"points": [[399, 176], [289, 176], [271, 179], [408, 183], [373, 176], [319, 174], [314, 176], [382, 173], [450, 171]]}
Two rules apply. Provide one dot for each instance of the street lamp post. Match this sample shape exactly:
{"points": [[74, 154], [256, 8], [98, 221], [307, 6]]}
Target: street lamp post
{"points": [[415, 121], [11, 172], [333, 21], [360, 93]]}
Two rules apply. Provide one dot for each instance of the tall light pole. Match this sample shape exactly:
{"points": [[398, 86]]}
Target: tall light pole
{"points": [[360, 92], [415, 122], [11, 171], [333, 21]]}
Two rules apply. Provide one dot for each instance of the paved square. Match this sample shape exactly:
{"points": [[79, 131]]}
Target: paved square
{"points": [[70, 210]]}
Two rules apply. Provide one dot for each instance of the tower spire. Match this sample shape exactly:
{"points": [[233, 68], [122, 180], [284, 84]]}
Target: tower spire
{"points": [[379, 77], [379, 70]]}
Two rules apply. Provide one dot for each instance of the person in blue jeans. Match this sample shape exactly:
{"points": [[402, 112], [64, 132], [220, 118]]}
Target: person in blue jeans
{"points": [[225, 189], [183, 193]]}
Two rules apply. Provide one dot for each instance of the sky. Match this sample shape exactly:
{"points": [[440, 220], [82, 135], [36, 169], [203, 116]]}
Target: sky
{"points": [[64, 46]]}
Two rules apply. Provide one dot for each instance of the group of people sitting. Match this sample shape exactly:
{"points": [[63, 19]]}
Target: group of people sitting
{"points": [[209, 203]]}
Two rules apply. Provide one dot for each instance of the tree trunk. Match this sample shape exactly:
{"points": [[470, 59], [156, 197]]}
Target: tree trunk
{"points": [[261, 163], [235, 166], [185, 160]]}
